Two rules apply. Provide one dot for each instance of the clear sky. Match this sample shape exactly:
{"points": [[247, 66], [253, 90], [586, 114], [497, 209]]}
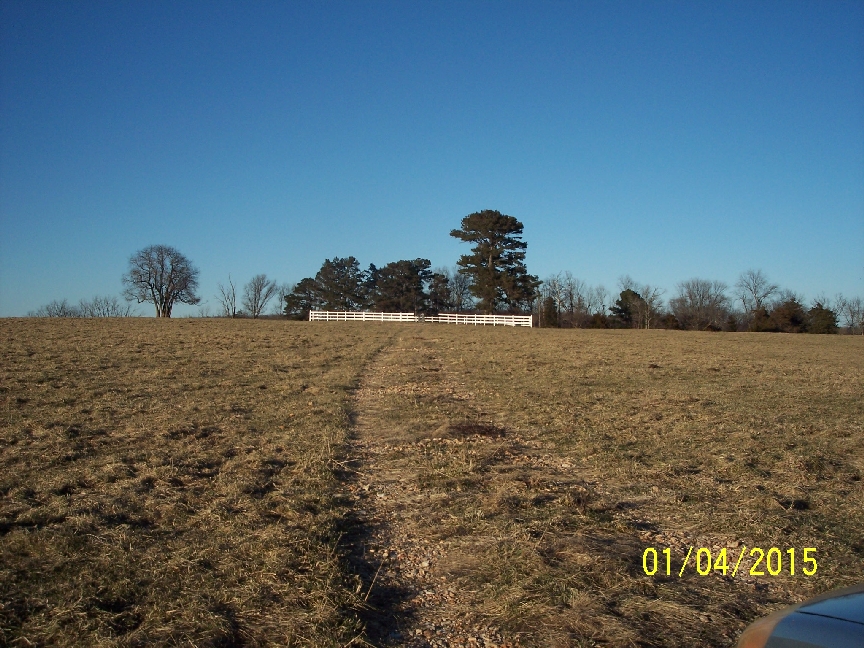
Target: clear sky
{"points": [[664, 140]]}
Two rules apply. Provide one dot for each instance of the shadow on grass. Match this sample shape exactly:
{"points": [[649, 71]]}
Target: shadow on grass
{"points": [[384, 607]]}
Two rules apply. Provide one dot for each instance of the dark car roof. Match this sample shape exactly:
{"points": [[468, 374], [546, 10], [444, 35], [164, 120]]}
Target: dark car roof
{"points": [[848, 606]]}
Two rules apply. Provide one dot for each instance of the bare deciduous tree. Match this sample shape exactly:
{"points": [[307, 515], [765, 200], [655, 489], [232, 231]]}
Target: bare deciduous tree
{"points": [[701, 304], [257, 293], [573, 293], [573, 300], [787, 295], [597, 300], [552, 289], [56, 309], [628, 283], [228, 298], [104, 307], [851, 309], [162, 275], [282, 291], [96, 307], [754, 290], [652, 303], [460, 289]]}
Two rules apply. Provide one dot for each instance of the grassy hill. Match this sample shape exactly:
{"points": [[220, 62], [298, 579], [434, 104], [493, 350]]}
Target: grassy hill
{"points": [[207, 482]]}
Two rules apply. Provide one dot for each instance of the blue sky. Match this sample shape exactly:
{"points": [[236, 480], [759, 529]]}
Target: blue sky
{"points": [[664, 140]]}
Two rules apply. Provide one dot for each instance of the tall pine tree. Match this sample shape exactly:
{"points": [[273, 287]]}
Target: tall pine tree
{"points": [[496, 264], [341, 285]]}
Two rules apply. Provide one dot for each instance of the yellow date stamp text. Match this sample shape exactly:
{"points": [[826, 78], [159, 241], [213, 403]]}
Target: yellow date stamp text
{"points": [[753, 561]]}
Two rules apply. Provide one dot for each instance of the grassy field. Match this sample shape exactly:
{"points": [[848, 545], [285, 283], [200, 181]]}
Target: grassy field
{"points": [[169, 482], [180, 482], [602, 443]]}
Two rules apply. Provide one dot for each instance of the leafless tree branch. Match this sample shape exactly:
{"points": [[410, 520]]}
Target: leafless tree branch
{"points": [[228, 298], [163, 276], [257, 293]]}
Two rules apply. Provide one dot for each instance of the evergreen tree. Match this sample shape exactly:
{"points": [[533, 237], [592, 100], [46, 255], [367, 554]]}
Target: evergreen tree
{"points": [[549, 314], [439, 293], [821, 319], [789, 317], [399, 286], [626, 307], [496, 263], [761, 321], [306, 296], [371, 281], [342, 285]]}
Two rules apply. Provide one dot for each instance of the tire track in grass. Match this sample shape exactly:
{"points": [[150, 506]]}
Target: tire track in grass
{"points": [[403, 412]]}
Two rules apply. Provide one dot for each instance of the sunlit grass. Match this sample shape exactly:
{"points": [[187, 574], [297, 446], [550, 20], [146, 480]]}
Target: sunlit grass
{"points": [[170, 481], [173, 481]]}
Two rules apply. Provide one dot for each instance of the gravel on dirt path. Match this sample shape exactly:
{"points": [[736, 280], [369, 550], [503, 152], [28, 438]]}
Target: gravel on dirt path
{"points": [[412, 601]]}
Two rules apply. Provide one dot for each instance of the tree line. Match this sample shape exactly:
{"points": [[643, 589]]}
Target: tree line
{"points": [[96, 307], [492, 278], [753, 304], [400, 286]]}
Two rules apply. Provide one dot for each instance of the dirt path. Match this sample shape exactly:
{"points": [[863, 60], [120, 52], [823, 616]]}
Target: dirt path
{"points": [[406, 408]]}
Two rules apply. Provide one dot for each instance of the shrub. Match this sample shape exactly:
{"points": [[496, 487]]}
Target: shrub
{"points": [[762, 322], [789, 317], [821, 319]]}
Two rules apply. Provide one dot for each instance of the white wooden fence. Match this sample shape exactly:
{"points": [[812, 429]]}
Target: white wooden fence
{"points": [[445, 318], [483, 320]]}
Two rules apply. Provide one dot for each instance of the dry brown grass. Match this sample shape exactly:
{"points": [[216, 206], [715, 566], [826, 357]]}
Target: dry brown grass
{"points": [[172, 482], [609, 442]]}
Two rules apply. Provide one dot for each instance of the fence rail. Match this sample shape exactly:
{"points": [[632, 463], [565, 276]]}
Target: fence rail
{"points": [[444, 318]]}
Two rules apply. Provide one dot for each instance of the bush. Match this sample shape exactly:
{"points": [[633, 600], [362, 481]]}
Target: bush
{"points": [[549, 314], [821, 319], [789, 317], [731, 323], [56, 309], [599, 321], [762, 322]]}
